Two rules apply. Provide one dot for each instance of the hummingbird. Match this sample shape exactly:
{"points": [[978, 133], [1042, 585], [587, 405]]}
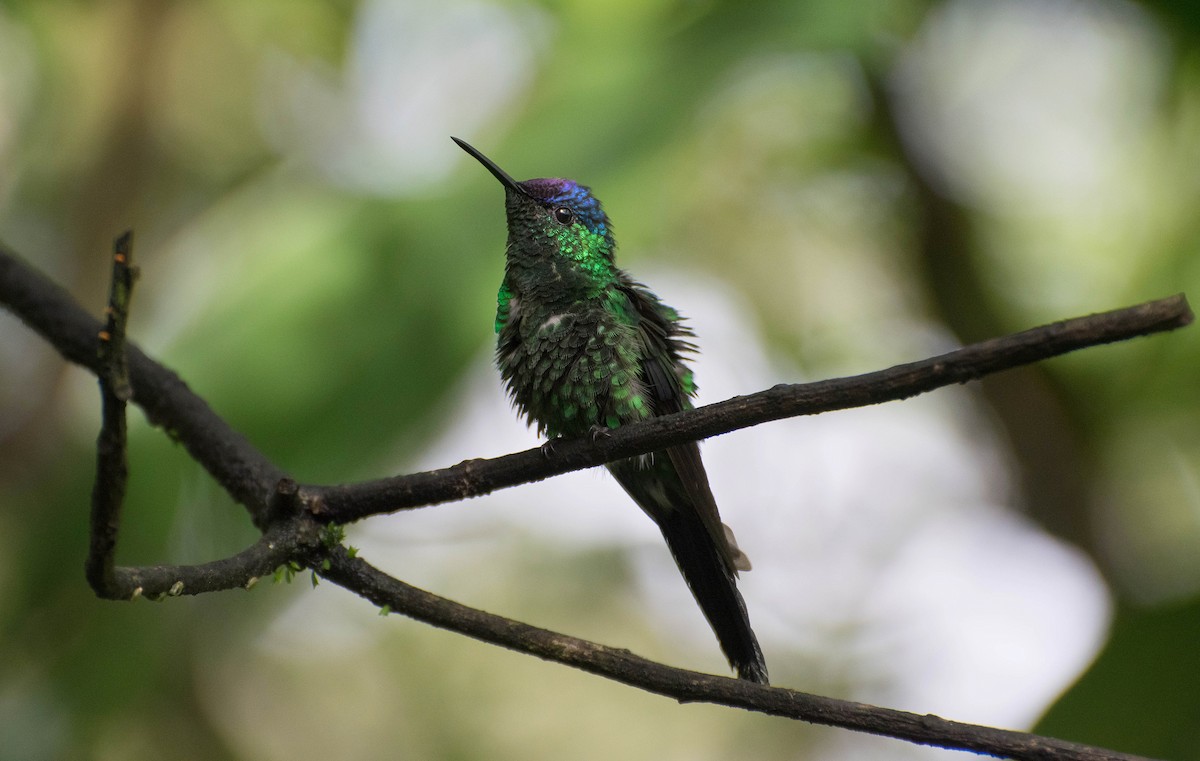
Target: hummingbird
{"points": [[583, 349]]}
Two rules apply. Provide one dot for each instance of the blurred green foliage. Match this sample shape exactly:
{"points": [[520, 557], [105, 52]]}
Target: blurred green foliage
{"points": [[327, 314]]}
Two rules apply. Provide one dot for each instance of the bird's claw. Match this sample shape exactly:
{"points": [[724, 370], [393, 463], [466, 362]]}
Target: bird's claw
{"points": [[548, 447], [597, 432]]}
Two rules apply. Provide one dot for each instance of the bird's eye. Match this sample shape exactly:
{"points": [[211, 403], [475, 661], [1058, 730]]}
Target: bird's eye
{"points": [[563, 215]]}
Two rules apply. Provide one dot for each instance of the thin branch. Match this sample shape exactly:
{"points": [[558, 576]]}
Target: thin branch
{"points": [[250, 477], [472, 478], [285, 540], [112, 470], [290, 538], [388, 593], [282, 544]]}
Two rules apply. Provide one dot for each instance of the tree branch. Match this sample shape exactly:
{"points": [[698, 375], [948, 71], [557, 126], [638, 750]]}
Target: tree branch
{"points": [[285, 540], [292, 539], [288, 514], [472, 478], [388, 593], [112, 469]]}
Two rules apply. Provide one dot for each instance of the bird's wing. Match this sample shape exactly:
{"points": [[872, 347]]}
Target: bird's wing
{"points": [[668, 382]]}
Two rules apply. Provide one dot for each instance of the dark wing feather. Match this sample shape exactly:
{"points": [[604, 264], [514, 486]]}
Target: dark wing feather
{"points": [[674, 491], [662, 369]]}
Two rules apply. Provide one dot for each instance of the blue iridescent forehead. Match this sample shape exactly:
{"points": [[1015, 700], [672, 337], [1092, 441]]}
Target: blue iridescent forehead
{"points": [[578, 198]]}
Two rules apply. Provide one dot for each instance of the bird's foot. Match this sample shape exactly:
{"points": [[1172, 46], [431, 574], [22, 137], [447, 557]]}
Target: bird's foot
{"points": [[548, 447], [597, 432]]}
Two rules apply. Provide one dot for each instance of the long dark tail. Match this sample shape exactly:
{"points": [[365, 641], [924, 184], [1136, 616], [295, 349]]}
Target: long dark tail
{"points": [[715, 588]]}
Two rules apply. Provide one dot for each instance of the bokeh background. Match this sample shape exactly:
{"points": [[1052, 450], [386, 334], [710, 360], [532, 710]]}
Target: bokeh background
{"points": [[826, 188]]}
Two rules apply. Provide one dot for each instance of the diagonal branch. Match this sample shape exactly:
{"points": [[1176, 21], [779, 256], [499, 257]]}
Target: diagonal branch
{"points": [[250, 477], [475, 477], [388, 593]]}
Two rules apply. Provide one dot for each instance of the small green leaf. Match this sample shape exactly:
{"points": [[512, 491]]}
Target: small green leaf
{"points": [[287, 572], [333, 535]]}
